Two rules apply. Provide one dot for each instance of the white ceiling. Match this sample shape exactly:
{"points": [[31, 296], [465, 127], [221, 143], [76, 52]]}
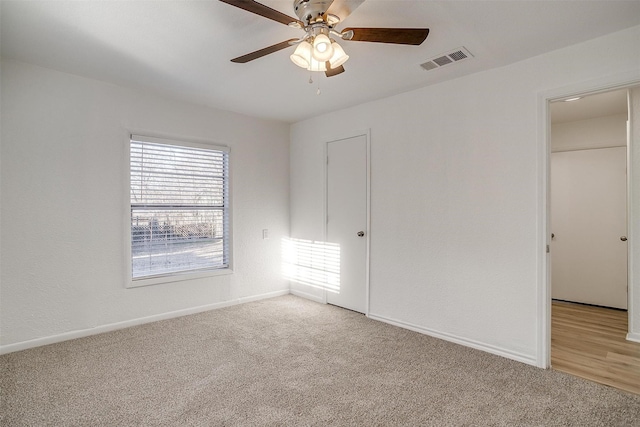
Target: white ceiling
{"points": [[182, 48]]}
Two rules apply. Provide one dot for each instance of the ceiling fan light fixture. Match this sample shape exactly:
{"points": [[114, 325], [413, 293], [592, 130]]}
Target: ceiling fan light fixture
{"points": [[315, 50], [301, 55], [339, 57], [317, 65], [322, 49]]}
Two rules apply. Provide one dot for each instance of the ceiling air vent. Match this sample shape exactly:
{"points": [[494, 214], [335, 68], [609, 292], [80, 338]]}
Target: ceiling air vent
{"points": [[456, 55]]}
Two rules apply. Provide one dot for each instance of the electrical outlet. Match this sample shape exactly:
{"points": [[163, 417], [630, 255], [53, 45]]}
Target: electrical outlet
{"points": [[265, 234]]}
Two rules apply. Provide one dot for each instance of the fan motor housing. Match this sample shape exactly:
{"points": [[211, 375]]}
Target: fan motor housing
{"points": [[308, 11]]}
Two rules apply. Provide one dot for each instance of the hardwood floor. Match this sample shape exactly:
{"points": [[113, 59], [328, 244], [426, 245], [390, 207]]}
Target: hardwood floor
{"points": [[589, 342]]}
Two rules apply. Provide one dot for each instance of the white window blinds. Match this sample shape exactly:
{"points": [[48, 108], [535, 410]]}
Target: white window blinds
{"points": [[179, 207]]}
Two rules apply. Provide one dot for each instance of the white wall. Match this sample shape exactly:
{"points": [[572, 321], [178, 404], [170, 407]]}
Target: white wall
{"points": [[599, 132], [64, 204], [455, 195]]}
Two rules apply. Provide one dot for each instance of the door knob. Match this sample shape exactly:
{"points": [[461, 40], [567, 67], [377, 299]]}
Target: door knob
{"points": [[623, 238], [360, 233]]}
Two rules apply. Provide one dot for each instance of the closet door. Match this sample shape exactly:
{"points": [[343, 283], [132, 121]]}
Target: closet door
{"points": [[347, 219], [589, 224]]}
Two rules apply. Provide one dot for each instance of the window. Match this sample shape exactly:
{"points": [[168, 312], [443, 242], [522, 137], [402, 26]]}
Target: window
{"points": [[179, 208]]}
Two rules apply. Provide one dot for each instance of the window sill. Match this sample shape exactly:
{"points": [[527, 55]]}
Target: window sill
{"points": [[177, 277]]}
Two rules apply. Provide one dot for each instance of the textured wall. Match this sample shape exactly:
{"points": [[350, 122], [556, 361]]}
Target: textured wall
{"points": [[455, 210], [64, 202]]}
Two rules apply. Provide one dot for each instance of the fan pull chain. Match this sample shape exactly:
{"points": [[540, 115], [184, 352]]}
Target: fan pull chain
{"points": [[318, 92], [311, 74]]}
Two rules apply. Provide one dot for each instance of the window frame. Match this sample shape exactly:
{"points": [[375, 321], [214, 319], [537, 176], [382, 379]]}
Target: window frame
{"points": [[180, 276]]}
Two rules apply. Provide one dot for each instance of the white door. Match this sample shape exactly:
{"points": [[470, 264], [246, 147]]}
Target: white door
{"points": [[588, 221], [347, 219]]}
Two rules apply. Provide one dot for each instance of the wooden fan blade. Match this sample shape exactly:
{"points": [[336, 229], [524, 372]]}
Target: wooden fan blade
{"points": [[262, 52], [333, 71], [412, 36], [343, 8], [262, 10]]}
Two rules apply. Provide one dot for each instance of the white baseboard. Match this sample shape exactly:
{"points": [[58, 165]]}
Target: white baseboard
{"points": [[520, 357], [306, 295], [243, 300], [24, 345], [633, 337]]}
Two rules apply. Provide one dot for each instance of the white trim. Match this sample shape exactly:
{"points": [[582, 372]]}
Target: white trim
{"points": [[252, 298], [604, 84], [520, 357], [368, 235], [230, 198], [367, 135], [178, 143], [543, 348], [126, 211], [308, 296], [632, 150], [177, 277], [24, 345]]}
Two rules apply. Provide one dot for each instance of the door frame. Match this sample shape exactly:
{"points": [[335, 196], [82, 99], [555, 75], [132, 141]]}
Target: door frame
{"points": [[605, 84], [367, 134]]}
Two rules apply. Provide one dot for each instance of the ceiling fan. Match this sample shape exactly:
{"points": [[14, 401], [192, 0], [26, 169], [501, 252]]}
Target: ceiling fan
{"points": [[317, 49]]}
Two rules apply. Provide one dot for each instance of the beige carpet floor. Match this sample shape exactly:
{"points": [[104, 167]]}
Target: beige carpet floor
{"points": [[288, 361]]}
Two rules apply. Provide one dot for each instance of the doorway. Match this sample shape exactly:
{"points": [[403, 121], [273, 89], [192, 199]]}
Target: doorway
{"points": [[347, 219], [588, 203], [587, 266]]}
